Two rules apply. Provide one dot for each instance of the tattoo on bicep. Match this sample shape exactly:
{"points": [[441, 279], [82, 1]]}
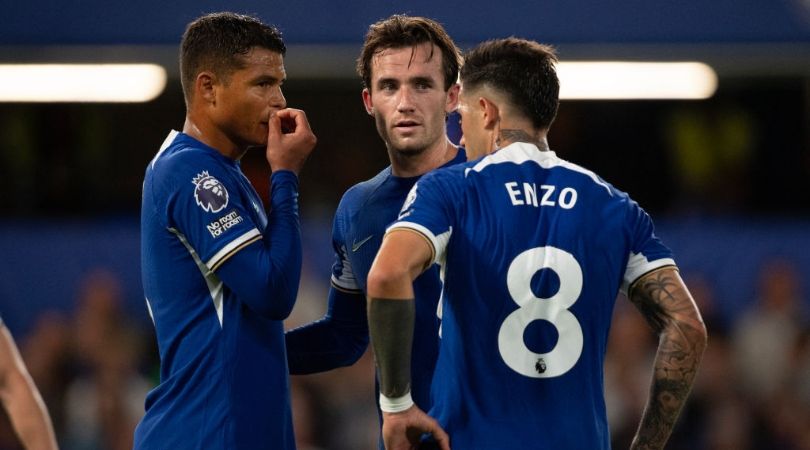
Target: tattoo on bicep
{"points": [[661, 298], [648, 296]]}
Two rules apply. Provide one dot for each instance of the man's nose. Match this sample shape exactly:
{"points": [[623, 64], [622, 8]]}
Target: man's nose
{"points": [[405, 99], [277, 100]]}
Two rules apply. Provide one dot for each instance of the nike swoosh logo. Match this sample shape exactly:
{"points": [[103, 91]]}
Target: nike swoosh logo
{"points": [[356, 245]]}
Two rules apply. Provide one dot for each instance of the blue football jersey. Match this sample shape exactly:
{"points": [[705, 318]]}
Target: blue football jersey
{"points": [[533, 251], [360, 221], [223, 381]]}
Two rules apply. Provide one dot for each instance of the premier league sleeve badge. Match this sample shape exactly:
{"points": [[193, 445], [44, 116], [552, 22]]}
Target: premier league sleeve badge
{"points": [[209, 193]]}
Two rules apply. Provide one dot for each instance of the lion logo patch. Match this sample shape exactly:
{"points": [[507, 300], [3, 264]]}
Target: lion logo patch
{"points": [[209, 193]]}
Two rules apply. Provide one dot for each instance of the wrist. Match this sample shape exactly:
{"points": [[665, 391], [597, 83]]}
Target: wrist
{"points": [[396, 404], [284, 174]]}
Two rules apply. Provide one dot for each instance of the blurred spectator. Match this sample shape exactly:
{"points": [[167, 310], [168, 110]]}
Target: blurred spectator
{"points": [[332, 410], [718, 417], [20, 399], [105, 400], [765, 335], [703, 291], [787, 413], [47, 353], [308, 414], [630, 354], [352, 417], [769, 351], [752, 391]]}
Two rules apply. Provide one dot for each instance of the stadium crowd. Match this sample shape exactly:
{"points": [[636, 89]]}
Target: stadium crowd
{"points": [[95, 366]]}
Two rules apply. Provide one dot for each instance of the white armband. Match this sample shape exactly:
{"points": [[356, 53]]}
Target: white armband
{"points": [[397, 404]]}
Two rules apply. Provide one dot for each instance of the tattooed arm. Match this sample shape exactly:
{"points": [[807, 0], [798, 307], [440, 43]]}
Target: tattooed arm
{"points": [[665, 302]]}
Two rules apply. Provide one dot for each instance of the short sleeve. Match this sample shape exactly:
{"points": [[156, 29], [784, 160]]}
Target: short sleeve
{"points": [[428, 210], [647, 252], [205, 207]]}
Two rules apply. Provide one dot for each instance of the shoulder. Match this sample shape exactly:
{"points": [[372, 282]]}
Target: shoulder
{"points": [[447, 174], [356, 196], [441, 185], [182, 159], [590, 177], [184, 165]]}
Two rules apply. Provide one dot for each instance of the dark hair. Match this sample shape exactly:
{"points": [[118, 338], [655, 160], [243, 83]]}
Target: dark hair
{"points": [[218, 41], [400, 31], [523, 70]]}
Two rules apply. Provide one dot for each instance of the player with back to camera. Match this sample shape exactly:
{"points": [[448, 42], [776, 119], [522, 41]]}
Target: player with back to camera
{"points": [[409, 67], [219, 273], [534, 250]]}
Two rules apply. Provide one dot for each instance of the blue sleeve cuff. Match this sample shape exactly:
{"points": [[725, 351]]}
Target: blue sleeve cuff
{"points": [[284, 176]]}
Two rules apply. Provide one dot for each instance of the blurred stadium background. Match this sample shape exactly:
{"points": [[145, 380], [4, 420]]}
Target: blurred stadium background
{"points": [[727, 180]]}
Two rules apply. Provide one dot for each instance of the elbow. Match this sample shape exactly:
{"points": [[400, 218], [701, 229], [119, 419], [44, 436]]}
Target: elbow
{"points": [[283, 289], [690, 335], [387, 281], [357, 347], [285, 305], [278, 306], [695, 331], [352, 346], [281, 313], [701, 338], [273, 312], [282, 307]]}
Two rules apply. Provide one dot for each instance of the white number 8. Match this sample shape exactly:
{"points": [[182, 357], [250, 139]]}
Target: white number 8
{"points": [[553, 310]]}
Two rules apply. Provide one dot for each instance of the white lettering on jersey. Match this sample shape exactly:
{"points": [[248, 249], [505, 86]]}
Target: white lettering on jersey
{"points": [[547, 191], [219, 226], [513, 193], [566, 198]]}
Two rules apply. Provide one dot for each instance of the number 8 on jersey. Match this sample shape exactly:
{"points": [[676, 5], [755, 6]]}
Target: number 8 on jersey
{"points": [[554, 310]]}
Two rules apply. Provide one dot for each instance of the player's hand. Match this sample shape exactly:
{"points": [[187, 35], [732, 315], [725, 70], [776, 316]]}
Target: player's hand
{"points": [[402, 430], [289, 140]]}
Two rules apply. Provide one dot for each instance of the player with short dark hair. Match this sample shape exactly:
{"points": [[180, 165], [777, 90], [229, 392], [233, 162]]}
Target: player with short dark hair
{"points": [[401, 31], [220, 274], [223, 56], [409, 66], [20, 398], [533, 250]]}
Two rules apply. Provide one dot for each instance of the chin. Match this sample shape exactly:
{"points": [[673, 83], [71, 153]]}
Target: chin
{"points": [[409, 151], [408, 146], [257, 144]]}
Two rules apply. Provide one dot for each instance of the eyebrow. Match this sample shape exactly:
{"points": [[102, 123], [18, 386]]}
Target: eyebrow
{"points": [[387, 80], [426, 80], [411, 80], [269, 78]]}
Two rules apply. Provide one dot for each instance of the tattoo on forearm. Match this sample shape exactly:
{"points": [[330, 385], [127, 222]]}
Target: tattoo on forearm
{"points": [[668, 307]]}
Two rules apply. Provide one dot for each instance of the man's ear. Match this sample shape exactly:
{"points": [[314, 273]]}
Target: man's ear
{"points": [[492, 114], [452, 99], [367, 102], [205, 87]]}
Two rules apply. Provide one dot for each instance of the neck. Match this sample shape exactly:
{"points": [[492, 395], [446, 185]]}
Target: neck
{"points": [[209, 135], [413, 165], [508, 136]]}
